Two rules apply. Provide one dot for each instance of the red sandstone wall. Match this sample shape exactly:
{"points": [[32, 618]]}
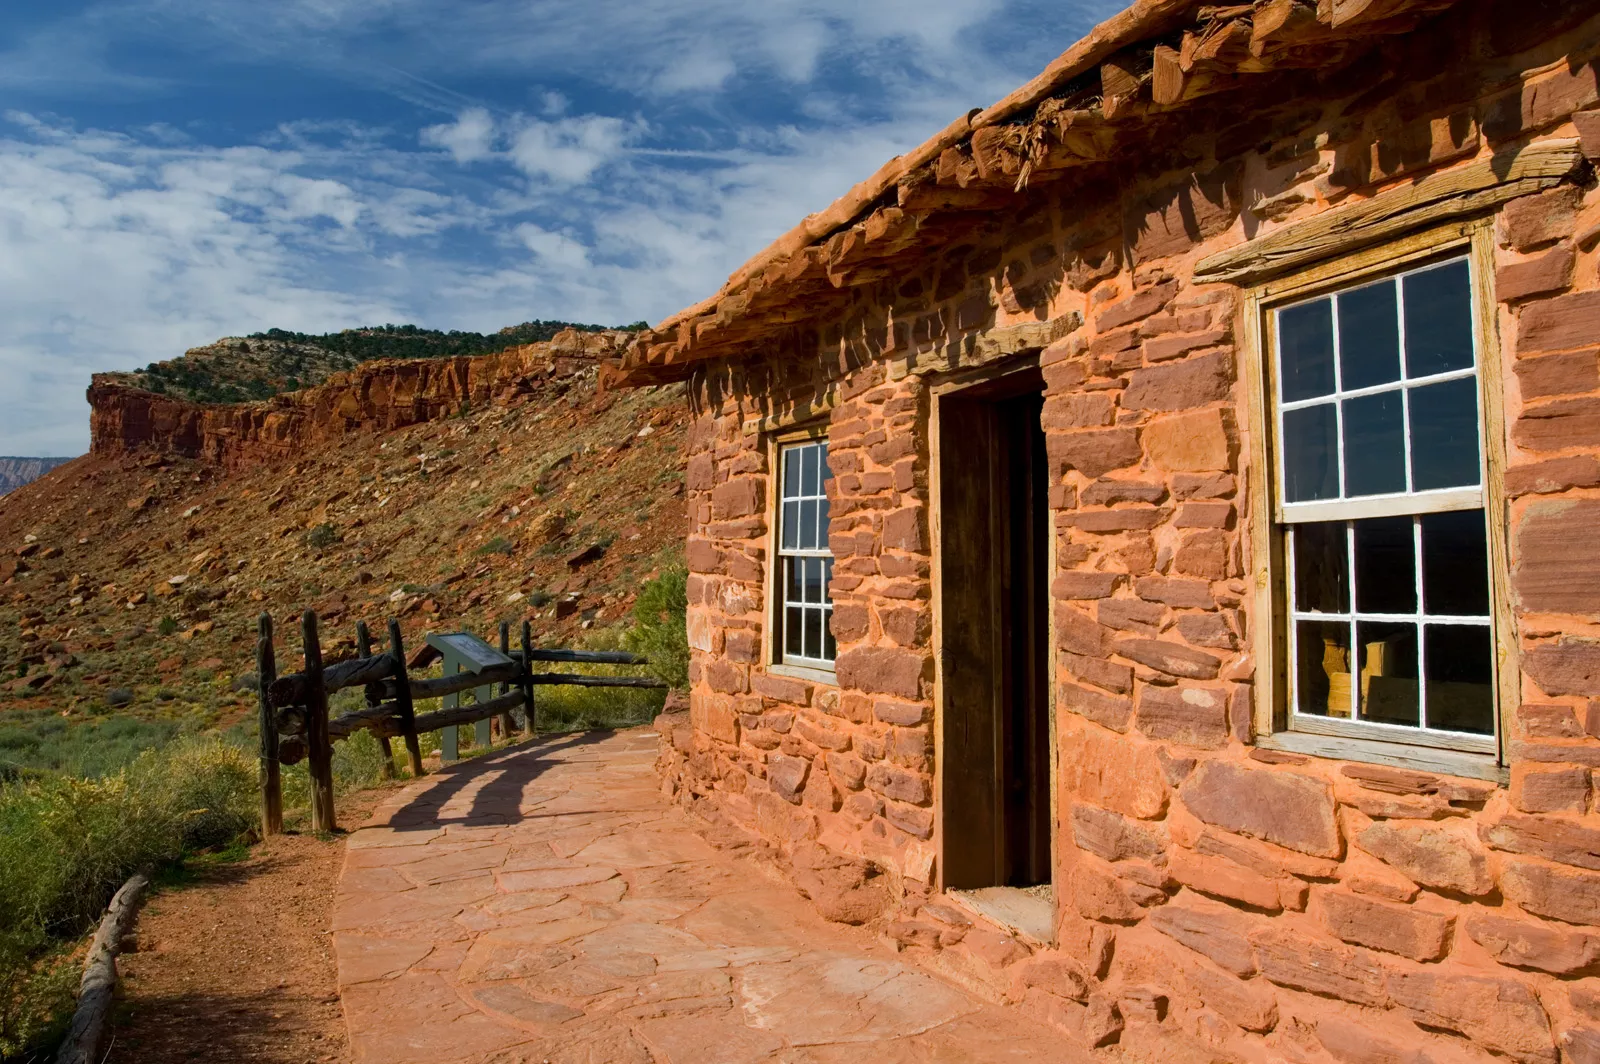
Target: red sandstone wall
{"points": [[374, 397], [1215, 900]]}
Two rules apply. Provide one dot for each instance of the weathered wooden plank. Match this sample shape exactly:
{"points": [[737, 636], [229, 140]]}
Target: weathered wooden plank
{"points": [[290, 690], [590, 657], [364, 649], [405, 713], [507, 724], [319, 748], [574, 680], [439, 686], [86, 1035], [522, 678], [1439, 197], [269, 773], [449, 718]]}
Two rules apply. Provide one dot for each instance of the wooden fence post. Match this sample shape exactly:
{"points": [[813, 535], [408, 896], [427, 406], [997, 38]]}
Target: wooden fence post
{"points": [[364, 649], [319, 750], [402, 697], [526, 679], [271, 780], [508, 723]]}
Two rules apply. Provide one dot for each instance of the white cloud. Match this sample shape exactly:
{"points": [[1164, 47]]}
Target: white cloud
{"points": [[569, 150], [468, 139]]}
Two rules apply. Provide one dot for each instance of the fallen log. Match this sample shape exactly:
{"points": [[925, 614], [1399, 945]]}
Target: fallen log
{"points": [[87, 1033]]}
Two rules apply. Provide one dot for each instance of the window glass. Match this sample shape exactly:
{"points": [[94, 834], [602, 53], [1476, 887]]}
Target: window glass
{"points": [[806, 563], [1390, 630]]}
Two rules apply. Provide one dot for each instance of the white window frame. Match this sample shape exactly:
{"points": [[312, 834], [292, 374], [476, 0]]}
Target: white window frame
{"points": [[1277, 724], [778, 658]]}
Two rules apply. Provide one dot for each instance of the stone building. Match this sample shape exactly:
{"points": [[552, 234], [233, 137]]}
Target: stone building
{"points": [[1156, 526]]}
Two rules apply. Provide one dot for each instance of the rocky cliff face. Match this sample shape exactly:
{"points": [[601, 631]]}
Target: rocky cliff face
{"points": [[15, 472], [372, 397]]}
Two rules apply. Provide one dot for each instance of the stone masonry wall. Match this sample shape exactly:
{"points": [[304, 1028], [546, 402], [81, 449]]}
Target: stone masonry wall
{"points": [[1215, 900]]}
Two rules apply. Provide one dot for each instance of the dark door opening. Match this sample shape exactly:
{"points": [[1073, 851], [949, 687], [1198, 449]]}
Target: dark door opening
{"points": [[995, 657]]}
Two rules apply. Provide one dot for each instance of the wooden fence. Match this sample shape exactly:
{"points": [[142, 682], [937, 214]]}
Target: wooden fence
{"points": [[295, 724]]}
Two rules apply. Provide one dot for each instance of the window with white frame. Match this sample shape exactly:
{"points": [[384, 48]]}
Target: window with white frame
{"points": [[805, 564], [1380, 491]]}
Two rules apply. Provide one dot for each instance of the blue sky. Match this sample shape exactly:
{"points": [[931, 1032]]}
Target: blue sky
{"points": [[174, 171]]}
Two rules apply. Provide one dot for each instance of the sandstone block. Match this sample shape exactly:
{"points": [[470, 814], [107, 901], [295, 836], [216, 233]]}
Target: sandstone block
{"points": [[1174, 591], [1056, 975], [1536, 945], [1541, 721], [1110, 675], [1535, 789], [882, 670], [1559, 324], [1559, 893], [1181, 385], [903, 714], [902, 530], [1558, 557], [1290, 958], [1355, 1043], [1207, 630], [1082, 584], [1549, 272], [1581, 1045], [1558, 425], [1202, 554], [913, 820], [1113, 772], [847, 771], [1122, 519], [787, 776], [1176, 345], [908, 626], [1192, 716], [736, 498], [826, 738], [1501, 1015], [780, 688], [1570, 374], [1085, 410], [1555, 839], [1286, 808], [1131, 615], [1382, 925], [1568, 666], [1114, 836], [1247, 1003], [1140, 305], [1099, 895], [1210, 929], [994, 949], [898, 783], [726, 677], [1203, 514], [1174, 659], [1079, 633], [1437, 857], [1108, 492], [1554, 475], [1221, 878], [1529, 221], [1094, 453], [1190, 442]]}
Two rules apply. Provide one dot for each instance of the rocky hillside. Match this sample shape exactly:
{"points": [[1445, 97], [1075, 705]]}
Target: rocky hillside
{"points": [[452, 493], [239, 369], [15, 472]]}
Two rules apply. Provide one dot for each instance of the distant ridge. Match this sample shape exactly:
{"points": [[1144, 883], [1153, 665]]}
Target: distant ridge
{"points": [[239, 369], [15, 472]]}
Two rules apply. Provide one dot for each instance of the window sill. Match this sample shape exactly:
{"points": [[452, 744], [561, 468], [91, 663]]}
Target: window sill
{"points": [[1394, 755], [806, 673]]}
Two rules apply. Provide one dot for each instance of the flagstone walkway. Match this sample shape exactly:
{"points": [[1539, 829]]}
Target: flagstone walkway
{"points": [[549, 905]]}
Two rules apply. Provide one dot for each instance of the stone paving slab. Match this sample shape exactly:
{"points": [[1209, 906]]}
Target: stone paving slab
{"points": [[548, 906]]}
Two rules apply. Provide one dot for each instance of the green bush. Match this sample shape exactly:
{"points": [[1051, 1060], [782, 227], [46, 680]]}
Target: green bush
{"points": [[659, 631], [67, 844]]}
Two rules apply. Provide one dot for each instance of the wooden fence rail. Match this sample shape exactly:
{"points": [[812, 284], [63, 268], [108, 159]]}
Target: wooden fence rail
{"points": [[294, 717]]}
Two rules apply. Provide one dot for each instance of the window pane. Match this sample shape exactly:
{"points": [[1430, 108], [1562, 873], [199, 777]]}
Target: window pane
{"points": [[808, 525], [791, 472], [1460, 678], [1444, 435], [827, 580], [830, 649], [822, 524], [810, 479], [1455, 563], [813, 580], [1388, 655], [794, 583], [1321, 567], [1386, 566], [1305, 345], [1374, 445], [1310, 454], [791, 525], [1438, 320], [1322, 674], [813, 633], [822, 457], [1369, 336], [793, 631]]}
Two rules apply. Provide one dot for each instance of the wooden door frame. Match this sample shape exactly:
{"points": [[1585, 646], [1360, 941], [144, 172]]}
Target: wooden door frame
{"points": [[952, 387]]}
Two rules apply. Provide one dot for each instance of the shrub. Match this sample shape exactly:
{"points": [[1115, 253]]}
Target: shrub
{"points": [[497, 545], [659, 631], [67, 844], [167, 626], [323, 536]]}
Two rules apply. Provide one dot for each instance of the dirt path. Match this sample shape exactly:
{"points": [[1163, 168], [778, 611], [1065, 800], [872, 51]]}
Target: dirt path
{"points": [[239, 965], [547, 905]]}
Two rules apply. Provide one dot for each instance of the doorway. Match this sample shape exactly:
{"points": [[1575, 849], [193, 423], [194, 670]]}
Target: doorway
{"points": [[994, 559]]}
